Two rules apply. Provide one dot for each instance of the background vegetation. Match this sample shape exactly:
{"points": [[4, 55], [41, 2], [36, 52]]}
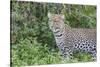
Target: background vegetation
{"points": [[32, 42]]}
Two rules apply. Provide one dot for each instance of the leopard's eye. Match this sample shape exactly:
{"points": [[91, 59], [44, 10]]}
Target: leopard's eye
{"points": [[50, 19], [51, 26]]}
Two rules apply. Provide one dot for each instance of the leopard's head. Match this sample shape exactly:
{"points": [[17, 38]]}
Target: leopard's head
{"points": [[56, 21]]}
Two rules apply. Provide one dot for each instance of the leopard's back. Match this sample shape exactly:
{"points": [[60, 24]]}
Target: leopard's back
{"points": [[81, 36], [84, 33]]}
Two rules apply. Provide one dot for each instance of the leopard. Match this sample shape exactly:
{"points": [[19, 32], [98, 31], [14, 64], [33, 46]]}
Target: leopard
{"points": [[70, 39]]}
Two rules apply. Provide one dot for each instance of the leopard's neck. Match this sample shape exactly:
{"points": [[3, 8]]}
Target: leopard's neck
{"points": [[60, 37]]}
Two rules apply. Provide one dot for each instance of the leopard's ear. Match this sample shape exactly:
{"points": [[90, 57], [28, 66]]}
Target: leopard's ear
{"points": [[49, 15]]}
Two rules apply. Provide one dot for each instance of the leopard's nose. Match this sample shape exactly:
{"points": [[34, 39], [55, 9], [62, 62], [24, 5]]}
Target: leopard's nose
{"points": [[56, 19]]}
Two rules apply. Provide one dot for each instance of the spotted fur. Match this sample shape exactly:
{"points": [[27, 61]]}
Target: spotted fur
{"points": [[71, 39]]}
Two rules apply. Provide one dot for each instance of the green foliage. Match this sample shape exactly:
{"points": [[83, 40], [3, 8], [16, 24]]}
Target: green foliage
{"points": [[29, 53], [82, 56], [32, 42], [79, 16]]}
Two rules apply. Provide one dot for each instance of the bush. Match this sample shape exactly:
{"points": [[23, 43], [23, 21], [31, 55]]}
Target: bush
{"points": [[29, 53]]}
